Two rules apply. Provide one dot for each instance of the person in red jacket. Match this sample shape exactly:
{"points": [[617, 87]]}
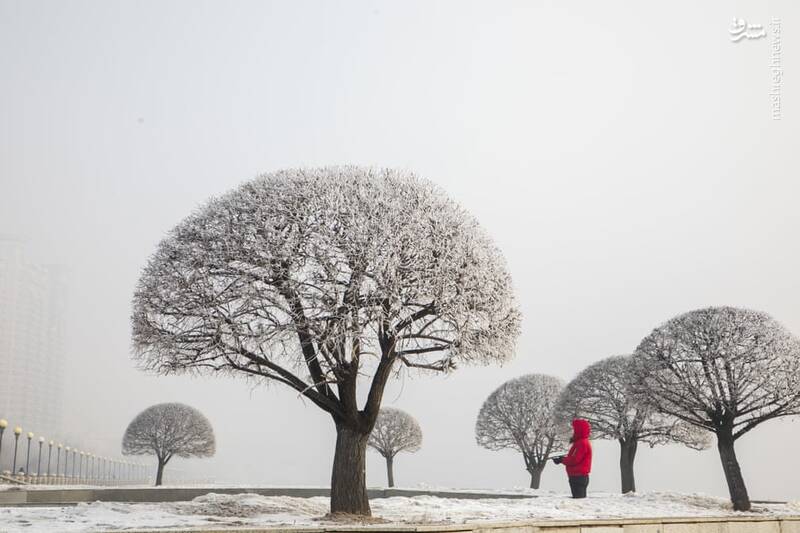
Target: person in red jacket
{"points": [[579, 459]]}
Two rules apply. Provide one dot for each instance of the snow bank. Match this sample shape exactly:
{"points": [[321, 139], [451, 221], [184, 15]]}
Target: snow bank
{"points": [[231, 510]]}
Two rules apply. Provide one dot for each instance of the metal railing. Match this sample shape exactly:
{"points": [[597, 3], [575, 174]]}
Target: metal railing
{"points": [[49, 462]]}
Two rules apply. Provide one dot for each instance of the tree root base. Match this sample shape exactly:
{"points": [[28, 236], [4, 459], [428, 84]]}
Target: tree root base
{"points": [[349, 518]]}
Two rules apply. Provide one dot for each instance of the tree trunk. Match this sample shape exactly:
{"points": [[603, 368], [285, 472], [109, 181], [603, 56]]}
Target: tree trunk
{"points": [[536, 475], [390, 470], [160, 472], [627, 454], [348, 482], [733, 474]]}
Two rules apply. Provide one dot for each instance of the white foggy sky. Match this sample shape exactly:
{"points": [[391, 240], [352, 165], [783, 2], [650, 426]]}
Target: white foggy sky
{"points": [[622, 154]]}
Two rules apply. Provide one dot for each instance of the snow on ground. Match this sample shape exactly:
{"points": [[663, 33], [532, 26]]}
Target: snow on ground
{"points": [[239, 510]]}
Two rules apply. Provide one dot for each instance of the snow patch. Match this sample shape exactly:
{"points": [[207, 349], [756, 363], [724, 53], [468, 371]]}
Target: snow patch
{"points": [[253, 510]]}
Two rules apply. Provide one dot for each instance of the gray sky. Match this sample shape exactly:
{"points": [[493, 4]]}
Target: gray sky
{"points": [[622, 154]]}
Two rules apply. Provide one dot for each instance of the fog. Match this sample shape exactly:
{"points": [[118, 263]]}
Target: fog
{"points": [[623, 156]]}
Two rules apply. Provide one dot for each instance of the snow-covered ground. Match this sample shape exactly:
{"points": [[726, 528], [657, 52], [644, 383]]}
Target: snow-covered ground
{"points": [[252, 510]]}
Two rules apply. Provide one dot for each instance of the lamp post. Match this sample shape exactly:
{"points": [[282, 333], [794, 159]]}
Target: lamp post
{"points": [[39, 461], [66, 462], [58, 458], [74, 460], [80, 465], [3, 426], [89, 466], [49, 456], [28, 455], [17, 433]]}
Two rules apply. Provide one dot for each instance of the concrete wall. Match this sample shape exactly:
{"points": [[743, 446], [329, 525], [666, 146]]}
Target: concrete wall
{"points": [[664, 525], [65, 495]]}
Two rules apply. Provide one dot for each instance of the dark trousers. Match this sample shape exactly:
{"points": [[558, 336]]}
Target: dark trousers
{"points": [[578, 484]]}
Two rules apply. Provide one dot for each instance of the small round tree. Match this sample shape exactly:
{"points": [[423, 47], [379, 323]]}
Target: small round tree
{"points": [[167, 430], [395, 431], [520, 415], [725, 370], [603, 393], [327, 281]]}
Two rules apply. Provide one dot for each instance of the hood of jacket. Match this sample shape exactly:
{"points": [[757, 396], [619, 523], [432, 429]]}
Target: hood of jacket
{"points": [[581, 429]]}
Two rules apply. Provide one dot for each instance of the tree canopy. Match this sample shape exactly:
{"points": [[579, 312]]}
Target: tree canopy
{"points": [[721, 365], [299, 275], [395, 431]]}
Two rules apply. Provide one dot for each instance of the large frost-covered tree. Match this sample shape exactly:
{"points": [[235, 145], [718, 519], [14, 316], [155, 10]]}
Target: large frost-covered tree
{"points": [[328, 281], [604, 394], [167, 430], [725, 370], [395, 431], [520, 415]]}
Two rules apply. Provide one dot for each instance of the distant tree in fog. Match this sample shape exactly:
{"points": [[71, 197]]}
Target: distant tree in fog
{"points": [[724, 370], [167, 430], [603, 394], [520, 415], [395, 431], [327, 280]]}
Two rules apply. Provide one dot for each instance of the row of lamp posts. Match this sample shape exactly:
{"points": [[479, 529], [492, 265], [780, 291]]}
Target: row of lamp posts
{"points": [[83, 466]]}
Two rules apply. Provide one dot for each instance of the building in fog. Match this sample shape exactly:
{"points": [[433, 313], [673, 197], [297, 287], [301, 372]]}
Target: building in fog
{"points": [[31, 341]]}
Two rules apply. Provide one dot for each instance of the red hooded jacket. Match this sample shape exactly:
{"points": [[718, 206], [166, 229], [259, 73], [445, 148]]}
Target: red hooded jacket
{"points": [[579, 459]]}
